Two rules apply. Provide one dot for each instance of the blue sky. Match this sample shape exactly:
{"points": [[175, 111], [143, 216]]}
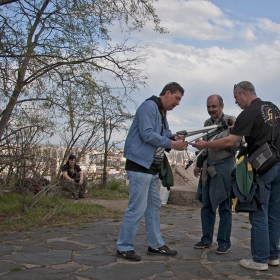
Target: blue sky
{"points": [[212, 45]]}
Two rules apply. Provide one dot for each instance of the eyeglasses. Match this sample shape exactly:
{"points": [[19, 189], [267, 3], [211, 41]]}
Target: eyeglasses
{"points": [[238, 85]]}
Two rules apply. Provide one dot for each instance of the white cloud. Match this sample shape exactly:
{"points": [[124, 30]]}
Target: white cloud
{"points": [[242, 50], [193, 19], [247, 34], [206, 71], [266, 24]]}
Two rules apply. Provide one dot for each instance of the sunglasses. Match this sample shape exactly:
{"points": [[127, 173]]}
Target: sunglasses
{"points": [[238, 85]]}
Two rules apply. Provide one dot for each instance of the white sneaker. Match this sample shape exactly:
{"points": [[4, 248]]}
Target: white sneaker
{"points": [[249, 263], [273, 262]]}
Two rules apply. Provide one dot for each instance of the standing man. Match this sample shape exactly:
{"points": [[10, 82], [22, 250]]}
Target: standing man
{"points": [[144, 147], [255, 123], [214, 189]]}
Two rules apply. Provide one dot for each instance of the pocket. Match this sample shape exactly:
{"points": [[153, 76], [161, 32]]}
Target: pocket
{"points": [[264, 158], [260, 156]]}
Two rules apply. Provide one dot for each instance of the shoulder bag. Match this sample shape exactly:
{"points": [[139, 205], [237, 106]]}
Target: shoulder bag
{"points": [[267, 155]]}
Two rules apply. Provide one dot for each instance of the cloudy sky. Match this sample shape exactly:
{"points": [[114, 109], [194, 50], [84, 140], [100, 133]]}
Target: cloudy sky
{"points": [[212, 45]]}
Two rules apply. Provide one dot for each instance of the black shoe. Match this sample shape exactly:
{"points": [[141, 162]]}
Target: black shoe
{"points": [[129, 255], [222, 250], [82, 196], [164, 250], [201, 245]]}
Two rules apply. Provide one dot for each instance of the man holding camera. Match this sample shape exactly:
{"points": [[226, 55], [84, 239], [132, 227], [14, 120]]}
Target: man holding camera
{"points": [[144, 147], [259, 123], [214, 189]]}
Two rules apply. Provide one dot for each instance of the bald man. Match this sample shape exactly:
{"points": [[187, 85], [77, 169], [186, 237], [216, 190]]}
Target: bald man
{"points": [[214, 184]]}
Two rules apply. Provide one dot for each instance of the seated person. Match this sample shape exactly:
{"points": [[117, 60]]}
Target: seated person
{"points": [[73, 182]]}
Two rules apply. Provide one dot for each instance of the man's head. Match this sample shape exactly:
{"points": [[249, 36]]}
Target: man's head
{"points": [[171, 96], [244, 93], [71, 159], [215, 106]]}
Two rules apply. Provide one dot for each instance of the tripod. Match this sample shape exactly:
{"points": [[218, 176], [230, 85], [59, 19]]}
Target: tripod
{"points": [[211, 131]]}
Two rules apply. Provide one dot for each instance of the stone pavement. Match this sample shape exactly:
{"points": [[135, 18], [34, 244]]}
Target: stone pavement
{"points": [[88, 252]]}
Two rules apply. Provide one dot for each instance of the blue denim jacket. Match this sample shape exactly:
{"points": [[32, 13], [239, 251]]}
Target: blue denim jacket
{"points": [[145, 136]]}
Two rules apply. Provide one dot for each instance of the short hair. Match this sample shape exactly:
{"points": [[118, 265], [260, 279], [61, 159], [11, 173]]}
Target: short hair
{"points": [[245, 85], [71, 157], [172, 87]]}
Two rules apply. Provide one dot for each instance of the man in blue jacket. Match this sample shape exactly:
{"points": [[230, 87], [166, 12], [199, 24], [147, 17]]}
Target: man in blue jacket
{"points": [[148, 137]]}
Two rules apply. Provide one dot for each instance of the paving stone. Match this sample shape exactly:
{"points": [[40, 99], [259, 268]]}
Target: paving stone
{"points": [[39, 274], [43, 259], [6, 266], [125, 270], [33, 249], [88, 252], [189, 270]]}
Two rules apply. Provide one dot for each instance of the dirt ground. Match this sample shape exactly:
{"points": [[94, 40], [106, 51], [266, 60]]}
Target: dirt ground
{"points": [[114, 204]]}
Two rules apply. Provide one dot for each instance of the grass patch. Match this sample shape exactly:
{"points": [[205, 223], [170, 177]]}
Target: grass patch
{"points": [[16, 268], [55, 210], [114, 190]]}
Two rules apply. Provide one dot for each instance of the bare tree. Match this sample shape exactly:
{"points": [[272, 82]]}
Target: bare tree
{"points": [[20, 151], [78, 121], [90, 116], [46, 37], [113, 116], [5, 2]]}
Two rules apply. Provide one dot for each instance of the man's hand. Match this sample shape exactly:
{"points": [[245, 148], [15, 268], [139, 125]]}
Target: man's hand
{"points": [[196, 171], [179, 145], [178, 137], [230, 122], [199, 144]]}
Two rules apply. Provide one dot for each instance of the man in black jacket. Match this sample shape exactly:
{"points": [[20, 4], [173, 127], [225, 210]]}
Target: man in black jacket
{"points": [[256, 123]]}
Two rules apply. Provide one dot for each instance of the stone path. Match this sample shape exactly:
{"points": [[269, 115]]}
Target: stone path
{"points": [[88, 252]]}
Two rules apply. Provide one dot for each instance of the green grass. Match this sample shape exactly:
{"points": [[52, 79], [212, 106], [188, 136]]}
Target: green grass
{"points": [[17, 268], [114, 190], [55, 210], [11, 202]]}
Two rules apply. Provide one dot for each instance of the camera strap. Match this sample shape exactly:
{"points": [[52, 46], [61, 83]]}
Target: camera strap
{"points": [[161, 111]]}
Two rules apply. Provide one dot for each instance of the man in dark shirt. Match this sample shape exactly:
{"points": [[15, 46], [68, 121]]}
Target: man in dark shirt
{"points": [[256, 123], [73, 181]]}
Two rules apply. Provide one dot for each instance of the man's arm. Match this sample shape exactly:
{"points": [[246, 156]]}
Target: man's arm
{"points": [[146, 124], [81, 177], [221, 143], [65, 175]]}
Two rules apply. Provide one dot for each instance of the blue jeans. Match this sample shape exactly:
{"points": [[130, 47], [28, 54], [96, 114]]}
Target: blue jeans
{"points": [[265, 231], [144, 199], [208, 218]]}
